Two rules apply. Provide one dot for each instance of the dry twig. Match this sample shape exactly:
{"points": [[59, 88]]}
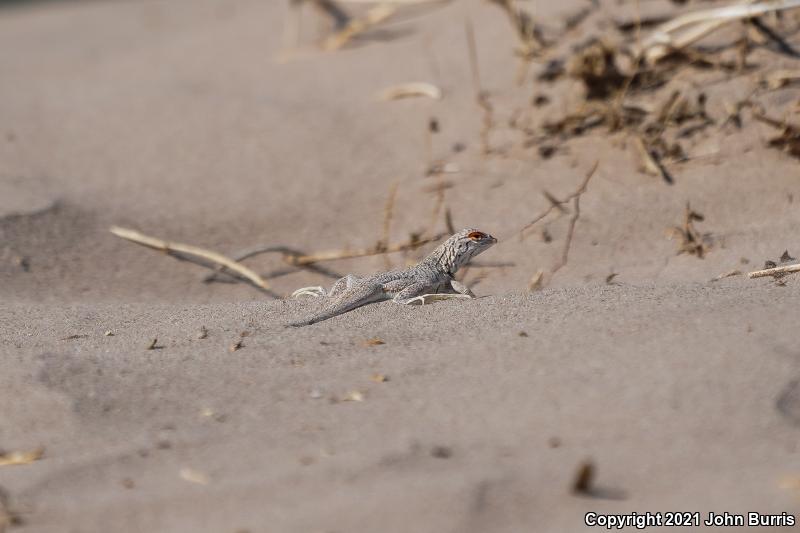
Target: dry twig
{"points": [[684, 30], [339, 16], [530, 36], [357, 26], [388, 211], [775, 271], [410, 244], [576, 213], [481, 96], [728, 274], [558, 204], [789, 138], [21, 458], [173, 248], [536, 281]]}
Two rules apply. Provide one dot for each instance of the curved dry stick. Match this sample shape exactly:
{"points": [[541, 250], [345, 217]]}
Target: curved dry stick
{"points": [[187, 249]]}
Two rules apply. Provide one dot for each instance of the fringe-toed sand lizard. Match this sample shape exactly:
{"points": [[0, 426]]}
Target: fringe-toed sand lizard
{"points": [[431, 279]]}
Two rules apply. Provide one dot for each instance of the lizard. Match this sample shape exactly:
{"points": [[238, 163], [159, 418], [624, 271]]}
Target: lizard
{"points": [[429, 280]]}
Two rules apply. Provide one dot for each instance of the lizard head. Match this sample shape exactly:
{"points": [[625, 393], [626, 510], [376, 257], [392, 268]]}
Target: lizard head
{"points": [[468, 243]]}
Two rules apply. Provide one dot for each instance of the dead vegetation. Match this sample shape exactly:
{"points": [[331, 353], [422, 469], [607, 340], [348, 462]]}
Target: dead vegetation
{"points": [[777, 270], [691, 240], [558, 206], [627, 79]]}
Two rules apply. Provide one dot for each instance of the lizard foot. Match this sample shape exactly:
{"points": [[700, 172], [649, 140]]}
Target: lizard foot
{"points": [[309, 291], [427, 298]]}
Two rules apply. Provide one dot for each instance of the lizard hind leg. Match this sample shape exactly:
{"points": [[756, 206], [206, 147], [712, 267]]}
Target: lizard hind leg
{"points": [[340, 285], [309, 291], [343, 284]]}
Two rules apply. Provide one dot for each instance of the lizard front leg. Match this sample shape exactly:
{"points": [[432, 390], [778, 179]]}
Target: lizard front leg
{"points": [[410, 293], [460, 288], [343, 284]]}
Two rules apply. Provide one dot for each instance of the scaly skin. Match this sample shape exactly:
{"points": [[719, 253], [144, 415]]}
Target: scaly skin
{"points": [[432, 279]]}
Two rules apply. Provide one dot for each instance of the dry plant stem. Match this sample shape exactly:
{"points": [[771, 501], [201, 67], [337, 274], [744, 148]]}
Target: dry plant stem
{"points": [[437, 206], [297, 259], [373, 17], [761, 117], [410, 244], [618, 103], [786, 269], [448, 221], [488, 122], [649, 164], [559, 203], [570, 232], [340, 17], [687, 29], [481, 97], [473, 57], [410, 90], [780, 78], [779, 42], [536, 281], [192, 251], [388, 211], [258, 250]]}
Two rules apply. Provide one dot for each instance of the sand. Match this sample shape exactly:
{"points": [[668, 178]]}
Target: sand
{"points": [[174, 118]]}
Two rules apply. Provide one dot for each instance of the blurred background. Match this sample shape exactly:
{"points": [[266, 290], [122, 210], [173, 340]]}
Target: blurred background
{"points": [[234, 125]]}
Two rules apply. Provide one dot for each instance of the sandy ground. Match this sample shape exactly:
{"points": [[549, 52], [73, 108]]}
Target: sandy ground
{"points": [[176, 119]]}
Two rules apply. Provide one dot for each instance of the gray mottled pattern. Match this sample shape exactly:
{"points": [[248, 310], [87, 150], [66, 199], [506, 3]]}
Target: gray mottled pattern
{"points": [[433, 275]]}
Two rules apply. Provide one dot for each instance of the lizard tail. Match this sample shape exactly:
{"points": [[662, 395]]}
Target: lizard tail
{"points": [[301, 323], [346, 302], [319, 317]]}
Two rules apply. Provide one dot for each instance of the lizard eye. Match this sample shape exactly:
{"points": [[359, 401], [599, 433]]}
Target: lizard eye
{"points": [[477, 236]]}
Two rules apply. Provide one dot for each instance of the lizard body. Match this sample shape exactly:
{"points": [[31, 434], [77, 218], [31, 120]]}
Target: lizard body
{"points": [[431, 279]]}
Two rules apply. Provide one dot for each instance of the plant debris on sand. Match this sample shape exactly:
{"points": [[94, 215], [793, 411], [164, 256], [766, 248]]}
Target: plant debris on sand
{"points": [[647, 79], [692, 241]]}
